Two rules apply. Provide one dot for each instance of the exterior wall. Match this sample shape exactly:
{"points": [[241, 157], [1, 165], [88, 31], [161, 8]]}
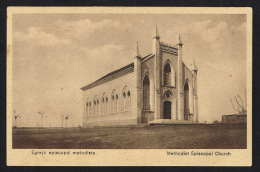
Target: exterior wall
{"points": [[234, 118], [119, 118], [188, 77]]}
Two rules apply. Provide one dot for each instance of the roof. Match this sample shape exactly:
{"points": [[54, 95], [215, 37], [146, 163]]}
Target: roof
{"points": [[186, 67], [131, 65], [149, 55], [235, 115]]}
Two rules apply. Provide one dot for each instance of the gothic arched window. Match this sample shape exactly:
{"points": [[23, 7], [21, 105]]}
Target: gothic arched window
{"points": [[127, 99], [96, 106], [87, 108], [186, 98], [168, 75], [104, 105], [114, 102], [146, 93]]}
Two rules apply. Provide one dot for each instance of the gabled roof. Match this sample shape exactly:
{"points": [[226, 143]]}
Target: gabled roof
{"points": [[95, 83], [235, 115], [131, 65], [186, 67], [98, 82], [146, 57]]}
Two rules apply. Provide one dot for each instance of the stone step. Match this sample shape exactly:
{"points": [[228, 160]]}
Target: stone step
{"points": [[170, 121]]}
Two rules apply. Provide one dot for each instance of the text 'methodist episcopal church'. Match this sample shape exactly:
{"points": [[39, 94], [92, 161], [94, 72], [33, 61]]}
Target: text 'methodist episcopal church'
{"points": [[157, 88]]}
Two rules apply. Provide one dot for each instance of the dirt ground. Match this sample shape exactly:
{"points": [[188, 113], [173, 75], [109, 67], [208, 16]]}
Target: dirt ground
{"points": [[201, 136]]}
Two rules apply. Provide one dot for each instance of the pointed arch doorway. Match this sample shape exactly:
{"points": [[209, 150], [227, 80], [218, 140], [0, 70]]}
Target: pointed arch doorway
{"points": [[167, 110]]}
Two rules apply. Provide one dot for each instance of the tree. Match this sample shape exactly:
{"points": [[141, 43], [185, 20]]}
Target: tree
{"points": [[241, 105], [62, 118], [215, 122], [66, 118], [41, 113], [15, 119]]}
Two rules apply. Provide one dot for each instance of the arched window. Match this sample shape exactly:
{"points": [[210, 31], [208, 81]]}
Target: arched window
{"points": [[127, 99], [96, 106], [146, 93], [168, 75], [87, 108], [104, 105], [114, 102], [107, 104], [103, 110], [186, 98]]}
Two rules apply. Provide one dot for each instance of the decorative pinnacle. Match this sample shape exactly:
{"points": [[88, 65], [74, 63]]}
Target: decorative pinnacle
{"points": [[156, 34], [179, 41], [137, 54], [194, 67]]}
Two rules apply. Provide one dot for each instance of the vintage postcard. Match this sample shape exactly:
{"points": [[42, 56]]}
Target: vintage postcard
{"points": [[129, 86]]}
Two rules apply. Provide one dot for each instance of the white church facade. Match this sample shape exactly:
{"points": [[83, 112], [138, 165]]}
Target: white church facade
{"points": [[156, 88]]}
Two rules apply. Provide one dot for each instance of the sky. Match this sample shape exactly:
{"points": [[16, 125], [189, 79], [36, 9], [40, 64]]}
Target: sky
{"points": [[54, 55]]}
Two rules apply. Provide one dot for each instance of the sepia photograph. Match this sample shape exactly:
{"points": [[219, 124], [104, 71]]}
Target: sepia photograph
{"points": [[86, 81]]}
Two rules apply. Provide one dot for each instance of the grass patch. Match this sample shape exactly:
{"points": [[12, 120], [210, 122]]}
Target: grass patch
{"points": [[218, 136]]}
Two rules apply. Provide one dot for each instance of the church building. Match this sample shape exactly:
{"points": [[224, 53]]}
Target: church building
{"points": [[157, 88]]}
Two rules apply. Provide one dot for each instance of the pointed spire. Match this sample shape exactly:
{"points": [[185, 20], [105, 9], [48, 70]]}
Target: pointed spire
{"points": [[194, 67], [156, 34], [179, 41], [136, 53]]}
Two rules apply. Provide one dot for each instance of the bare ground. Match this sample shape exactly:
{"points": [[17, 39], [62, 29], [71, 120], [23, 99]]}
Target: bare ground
{"points": [[201, 136]]}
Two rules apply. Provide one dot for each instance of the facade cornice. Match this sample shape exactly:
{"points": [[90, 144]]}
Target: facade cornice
{"points": [[168, 48]]}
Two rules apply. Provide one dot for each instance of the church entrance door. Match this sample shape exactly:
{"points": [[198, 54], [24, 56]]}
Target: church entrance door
{"points": [[167, 110]]}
